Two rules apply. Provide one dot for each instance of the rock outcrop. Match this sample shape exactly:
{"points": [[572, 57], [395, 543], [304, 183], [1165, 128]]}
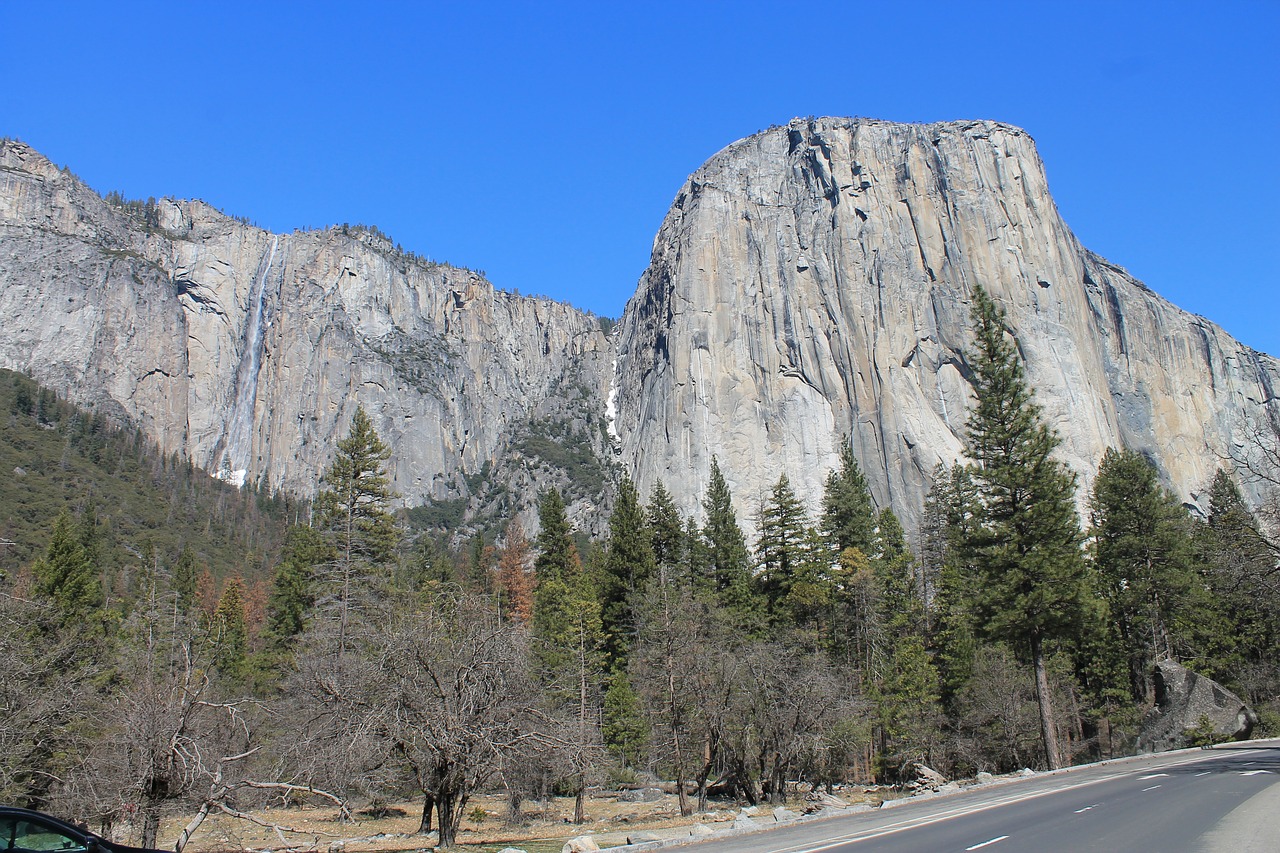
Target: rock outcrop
{"points": [[247, 352], [814, 281], [1189, 706]]}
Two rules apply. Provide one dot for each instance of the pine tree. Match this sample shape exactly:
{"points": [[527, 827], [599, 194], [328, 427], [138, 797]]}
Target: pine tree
{"points": [[953, 504], [728, 560], [666, 534], [293, 591], [228, 633], [625, 732], [184, 579], [1240, 569], [65, 574], [556, 551], [1142, 551], [781, 547], [848, 513], [570, 636], [1027, 547], [629, 563], [353, 512]]}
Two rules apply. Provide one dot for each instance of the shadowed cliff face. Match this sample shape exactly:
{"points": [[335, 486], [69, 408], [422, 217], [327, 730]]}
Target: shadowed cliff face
{"points": [[814, 281], [248, 352]]}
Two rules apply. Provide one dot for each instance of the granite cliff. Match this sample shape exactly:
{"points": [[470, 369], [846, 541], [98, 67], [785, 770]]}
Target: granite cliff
{"points": [[814, 281], [247, 351], [809, 283]]}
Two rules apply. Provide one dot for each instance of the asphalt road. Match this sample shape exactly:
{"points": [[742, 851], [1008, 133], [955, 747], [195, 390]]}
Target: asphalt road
{"points": [[1224, 799]]}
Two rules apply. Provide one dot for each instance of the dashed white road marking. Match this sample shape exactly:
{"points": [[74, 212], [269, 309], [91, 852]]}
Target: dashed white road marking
{"points": [[1152, 788], [985, 843], [1152, 776], [1254, 772], [1205, 773], [947, 814], [1086, 808]]}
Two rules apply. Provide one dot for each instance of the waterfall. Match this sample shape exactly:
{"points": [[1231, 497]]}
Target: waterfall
{"points": [[239, 438]]}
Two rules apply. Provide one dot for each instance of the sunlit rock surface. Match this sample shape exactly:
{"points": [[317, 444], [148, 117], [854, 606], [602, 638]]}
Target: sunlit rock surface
{"points": [[814, 281]]}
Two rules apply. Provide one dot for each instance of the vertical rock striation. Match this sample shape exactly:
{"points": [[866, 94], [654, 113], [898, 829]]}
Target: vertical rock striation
{"points": [[813, 281]]}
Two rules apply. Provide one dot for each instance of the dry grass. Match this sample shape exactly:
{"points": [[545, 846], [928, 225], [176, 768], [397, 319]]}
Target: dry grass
{"points": [[543, 828]]}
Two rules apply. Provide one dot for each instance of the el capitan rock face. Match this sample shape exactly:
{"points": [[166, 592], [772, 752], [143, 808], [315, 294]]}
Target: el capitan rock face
{"points": [[814, 281], [809, 282]]}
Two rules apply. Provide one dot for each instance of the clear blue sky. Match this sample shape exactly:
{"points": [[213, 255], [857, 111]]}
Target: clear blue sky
{"points": [[543, 142]]}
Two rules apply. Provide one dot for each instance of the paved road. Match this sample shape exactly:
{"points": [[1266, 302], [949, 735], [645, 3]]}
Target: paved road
{"points": [[1224, 799]]}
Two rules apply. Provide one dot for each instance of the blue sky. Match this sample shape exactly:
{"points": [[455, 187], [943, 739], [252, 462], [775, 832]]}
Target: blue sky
{"points": [[543, 142]]}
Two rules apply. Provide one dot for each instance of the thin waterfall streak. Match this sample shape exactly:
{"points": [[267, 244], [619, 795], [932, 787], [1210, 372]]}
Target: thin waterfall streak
{"points": [[235, 455]]}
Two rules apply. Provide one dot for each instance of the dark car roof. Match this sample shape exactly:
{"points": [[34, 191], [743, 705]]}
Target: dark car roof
{"points": [[71, 829]]}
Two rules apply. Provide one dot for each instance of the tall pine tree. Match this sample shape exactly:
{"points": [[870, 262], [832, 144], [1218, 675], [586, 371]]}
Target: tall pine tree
{"points": [[1027, 546], [353, 512]]}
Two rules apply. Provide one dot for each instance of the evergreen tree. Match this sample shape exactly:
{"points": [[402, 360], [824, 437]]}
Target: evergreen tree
{"points": [[184, 579], [1027, 547], [905, 686], [570, 646], [848, 513], [228, 633], [293, 591], [625, 732], [629, 563], [1142, 552], [728, 561], [556, 551], [782, 545], [353, 512], [666, 534], [951, 613], [900, 600], [65, 574], [429, 569], [697, 559], [1240, 569]]}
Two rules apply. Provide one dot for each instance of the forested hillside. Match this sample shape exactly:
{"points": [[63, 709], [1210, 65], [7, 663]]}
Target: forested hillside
{"points": [[134, 503], [830, 649]]}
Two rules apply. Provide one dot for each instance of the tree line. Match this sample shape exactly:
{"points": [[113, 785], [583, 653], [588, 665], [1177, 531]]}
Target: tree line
{"points": [[829, 650]]}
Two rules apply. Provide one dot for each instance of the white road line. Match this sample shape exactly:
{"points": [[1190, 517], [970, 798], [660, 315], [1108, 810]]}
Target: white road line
{"points": [[1152, 776], [1152, 788], [1205, 773], [961, 811], [1254, 772], [1086, 808], [985, 843]]}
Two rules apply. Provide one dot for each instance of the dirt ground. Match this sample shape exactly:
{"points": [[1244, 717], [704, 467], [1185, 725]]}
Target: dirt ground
{"points": [[543, 828]]}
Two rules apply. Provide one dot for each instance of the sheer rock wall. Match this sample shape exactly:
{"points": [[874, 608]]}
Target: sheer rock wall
{"points": [[814, 281]]}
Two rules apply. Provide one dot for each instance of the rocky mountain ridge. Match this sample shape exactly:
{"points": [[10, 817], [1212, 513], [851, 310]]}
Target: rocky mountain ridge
{"points": [[809, 283]]}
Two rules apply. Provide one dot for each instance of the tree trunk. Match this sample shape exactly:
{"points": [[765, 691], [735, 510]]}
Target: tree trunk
{"points": [[1045, 700], [150, 824], [579, 801], [708, 759], [428, 804], [448, 814]]}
